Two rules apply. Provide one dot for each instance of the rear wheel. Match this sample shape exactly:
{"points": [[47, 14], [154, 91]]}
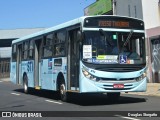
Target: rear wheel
{"points": [[25, 84], [63, 92]]}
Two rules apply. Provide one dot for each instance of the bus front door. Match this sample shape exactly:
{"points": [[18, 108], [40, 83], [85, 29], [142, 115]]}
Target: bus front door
{"points": [[73, 60]]}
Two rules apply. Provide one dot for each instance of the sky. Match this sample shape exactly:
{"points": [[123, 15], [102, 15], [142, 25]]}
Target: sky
{"points": [[15, 14]]}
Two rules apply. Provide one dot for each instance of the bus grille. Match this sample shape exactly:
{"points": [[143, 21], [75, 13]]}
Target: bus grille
{"points": [[118, 69], [117, 88], [114, 79]]}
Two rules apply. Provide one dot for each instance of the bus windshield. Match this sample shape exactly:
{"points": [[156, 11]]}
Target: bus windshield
{"points": [[103, 47]]}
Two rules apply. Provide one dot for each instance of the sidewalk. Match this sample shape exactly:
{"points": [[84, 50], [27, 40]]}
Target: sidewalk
{"points": [[153, 89]]}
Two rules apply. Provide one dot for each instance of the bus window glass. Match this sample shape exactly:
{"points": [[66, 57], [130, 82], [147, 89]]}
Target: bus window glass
{"points": [[31, 48], [31, 45], [47, 51], [49, 39], [59, 37], [14, 54], [47, 45], [25, 55], [26, 45], [59, 49], [14, 48], [25, 50], [59, 44], [107, 47]]}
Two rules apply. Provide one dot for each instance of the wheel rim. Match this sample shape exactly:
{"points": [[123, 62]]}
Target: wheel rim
{"points": [[62, 90], [25, 84], [25, 87]]}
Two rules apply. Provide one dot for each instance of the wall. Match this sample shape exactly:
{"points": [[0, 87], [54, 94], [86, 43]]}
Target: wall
{"points": [[151, 13], [131, 8], [153, 37]]}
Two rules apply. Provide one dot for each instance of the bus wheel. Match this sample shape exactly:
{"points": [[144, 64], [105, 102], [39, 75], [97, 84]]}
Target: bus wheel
{"points": [[25, 84], [113, 96], [63, 93]]}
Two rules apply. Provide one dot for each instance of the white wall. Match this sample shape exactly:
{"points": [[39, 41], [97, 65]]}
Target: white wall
{"points": [[151, 13], [131, 8]]}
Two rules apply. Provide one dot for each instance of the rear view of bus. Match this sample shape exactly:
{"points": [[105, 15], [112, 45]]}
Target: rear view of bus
{"points": [[113, 57]]}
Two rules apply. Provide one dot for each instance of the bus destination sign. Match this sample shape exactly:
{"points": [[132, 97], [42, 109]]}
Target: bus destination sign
{"points": [[113, 22], [119, 24]]}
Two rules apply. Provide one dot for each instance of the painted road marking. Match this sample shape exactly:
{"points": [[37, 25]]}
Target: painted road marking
{"points": [[1, 81], [53, 102], [15, 94], [129, 118]]}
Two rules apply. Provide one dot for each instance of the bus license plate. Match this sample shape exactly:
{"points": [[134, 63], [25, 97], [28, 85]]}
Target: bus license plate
{"points": [[118, 86]]}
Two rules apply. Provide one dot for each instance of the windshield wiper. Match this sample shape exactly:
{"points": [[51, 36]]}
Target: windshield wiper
{"points": [[106, 36], [127, 40]]}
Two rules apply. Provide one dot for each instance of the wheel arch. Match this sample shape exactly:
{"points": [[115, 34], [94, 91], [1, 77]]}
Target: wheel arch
{"points": [[23, 76]]}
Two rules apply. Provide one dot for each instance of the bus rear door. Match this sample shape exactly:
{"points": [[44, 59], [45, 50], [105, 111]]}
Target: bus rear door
{"points": [[19, 64], [37, 63]]}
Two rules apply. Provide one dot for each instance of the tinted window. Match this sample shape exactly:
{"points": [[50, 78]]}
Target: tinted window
{"points": [[47, 46], [59, 44]]}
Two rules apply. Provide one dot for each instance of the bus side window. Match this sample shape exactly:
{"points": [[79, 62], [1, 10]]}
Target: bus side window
{"points": [[47, 45], [59, 49], [14, 54], [59, 43], [31, 49], [25, 50]]}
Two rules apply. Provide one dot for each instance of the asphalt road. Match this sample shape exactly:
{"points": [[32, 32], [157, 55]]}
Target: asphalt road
{"points": [[86, 107]]}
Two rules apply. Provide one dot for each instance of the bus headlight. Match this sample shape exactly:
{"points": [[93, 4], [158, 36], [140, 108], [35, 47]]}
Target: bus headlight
{"points": [[88, 75], [141, 77]]}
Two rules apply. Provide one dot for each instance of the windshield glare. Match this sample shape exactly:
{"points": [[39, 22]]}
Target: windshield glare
{"points": [[101, 47]]}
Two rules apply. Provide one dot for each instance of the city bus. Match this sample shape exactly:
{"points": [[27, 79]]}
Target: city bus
{"points": [[90, 54]]}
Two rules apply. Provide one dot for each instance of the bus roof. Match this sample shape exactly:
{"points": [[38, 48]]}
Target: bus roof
{"points": [[60, 26], [63, 25]]}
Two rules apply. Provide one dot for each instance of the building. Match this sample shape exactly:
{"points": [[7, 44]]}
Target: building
{"points": [[131, 8], [149, 11], [6, 38], [151, 17]]}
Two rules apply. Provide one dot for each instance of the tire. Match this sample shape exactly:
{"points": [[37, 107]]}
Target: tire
{"points": [[113, 96], [25, 84], [63, 93]]}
